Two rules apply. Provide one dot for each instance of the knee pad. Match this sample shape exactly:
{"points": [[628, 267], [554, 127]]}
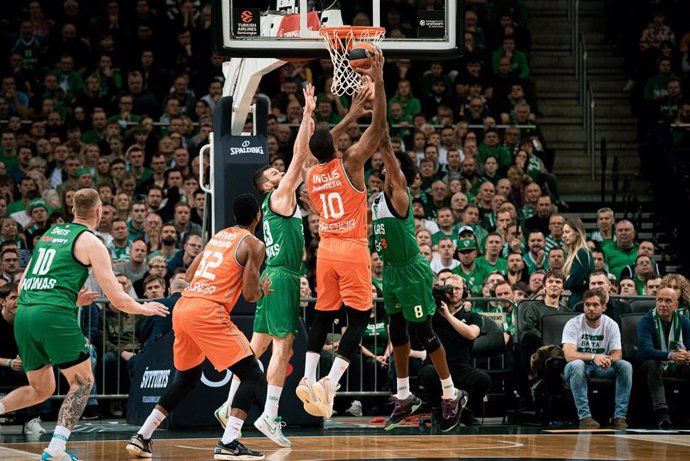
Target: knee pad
{"points": [[397, 330], [356, 324], [425, 334], [183, 385], [252, 383], [322, 325]]}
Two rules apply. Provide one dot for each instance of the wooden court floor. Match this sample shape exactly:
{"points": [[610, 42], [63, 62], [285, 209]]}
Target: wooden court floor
{"points": [[377, 444]]}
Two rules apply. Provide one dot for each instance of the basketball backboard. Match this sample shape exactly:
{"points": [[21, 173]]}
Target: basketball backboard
{"points": [[416, 29]]}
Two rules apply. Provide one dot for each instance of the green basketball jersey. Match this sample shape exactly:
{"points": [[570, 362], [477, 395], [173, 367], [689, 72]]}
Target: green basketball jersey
{"points": [[395, 241], [54, 277], [283, 236]]}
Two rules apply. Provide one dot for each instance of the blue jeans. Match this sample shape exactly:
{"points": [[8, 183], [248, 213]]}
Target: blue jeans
{"points": [[577, 373]]}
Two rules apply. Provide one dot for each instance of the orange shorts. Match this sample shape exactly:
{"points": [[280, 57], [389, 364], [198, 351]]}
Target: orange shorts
{"points": [[343, 275], [203, 330]]}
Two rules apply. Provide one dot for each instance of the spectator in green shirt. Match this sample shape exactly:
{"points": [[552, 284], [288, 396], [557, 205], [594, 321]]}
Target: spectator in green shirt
{"points": [[623, 251], [518, 60]]}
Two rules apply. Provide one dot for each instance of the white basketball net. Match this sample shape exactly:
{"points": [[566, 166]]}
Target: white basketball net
{"points": [[339, 41]]}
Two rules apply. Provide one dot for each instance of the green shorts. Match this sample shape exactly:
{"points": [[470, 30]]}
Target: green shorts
{"points": [[407, 289], [49, 336], [277, 314]]}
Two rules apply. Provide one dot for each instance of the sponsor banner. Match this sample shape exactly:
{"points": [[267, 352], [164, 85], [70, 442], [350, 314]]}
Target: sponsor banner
{"points": [[246, 22], [431, 24], [155, 372]]}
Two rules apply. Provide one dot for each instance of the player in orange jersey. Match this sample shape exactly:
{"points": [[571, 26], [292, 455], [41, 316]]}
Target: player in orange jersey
{"points": [[228, 266], [343, 266]]}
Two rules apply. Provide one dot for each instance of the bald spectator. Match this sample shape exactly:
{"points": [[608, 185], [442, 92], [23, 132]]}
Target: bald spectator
{"points": [[662, 335]]}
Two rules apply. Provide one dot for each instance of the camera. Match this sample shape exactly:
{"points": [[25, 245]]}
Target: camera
{"points": [[441, 293]]}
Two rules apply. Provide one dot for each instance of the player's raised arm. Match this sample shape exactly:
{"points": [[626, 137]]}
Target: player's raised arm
{"points": [[88, 249], [394, 176], [361, 151], [252, 251], [356, 111], [284, 195]]}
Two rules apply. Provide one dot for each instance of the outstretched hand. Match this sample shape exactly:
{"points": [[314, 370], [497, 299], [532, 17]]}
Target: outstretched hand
{"points": [[309, 99], [360, 98], [375, 71], [85, 297], [154, 308]]}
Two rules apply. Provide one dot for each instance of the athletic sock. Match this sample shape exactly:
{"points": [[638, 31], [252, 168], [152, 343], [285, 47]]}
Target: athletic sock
{"points": [[234, 385], [338, 370], [2, 408], [403, 388], [152, 422], [59, 440], [272, 401], [310, 363], [232, 430], [448, 388]]}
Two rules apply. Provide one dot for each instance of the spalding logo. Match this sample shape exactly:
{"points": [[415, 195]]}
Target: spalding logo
{"points": [[246, 149]]}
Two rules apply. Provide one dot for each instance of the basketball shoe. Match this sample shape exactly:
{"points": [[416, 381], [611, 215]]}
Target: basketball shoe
{"points": [[140, 447], [451, 410], [403, 408], [273, 429], [325, 391], [305, 392], [235, 450]]}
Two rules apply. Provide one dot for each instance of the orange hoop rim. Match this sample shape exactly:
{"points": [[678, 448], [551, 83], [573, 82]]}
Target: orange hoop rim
{"points": [[358, 32]]}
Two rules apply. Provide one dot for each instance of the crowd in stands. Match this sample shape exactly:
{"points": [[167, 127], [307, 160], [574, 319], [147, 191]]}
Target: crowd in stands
{"points": [[119, 96]]}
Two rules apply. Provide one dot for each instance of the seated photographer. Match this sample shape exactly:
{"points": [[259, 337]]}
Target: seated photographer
{"points": [[457, 329]]}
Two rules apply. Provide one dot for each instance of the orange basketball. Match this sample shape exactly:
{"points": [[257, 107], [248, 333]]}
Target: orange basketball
{"points": [[358, 57]]}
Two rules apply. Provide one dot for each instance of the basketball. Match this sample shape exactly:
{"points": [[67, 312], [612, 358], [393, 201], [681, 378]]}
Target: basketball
{"points": [[358, 58]]}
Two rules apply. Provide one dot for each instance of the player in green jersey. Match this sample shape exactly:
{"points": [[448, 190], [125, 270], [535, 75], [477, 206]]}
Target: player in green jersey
{"points": [[407, 290], [46, 325], [277, 315]]}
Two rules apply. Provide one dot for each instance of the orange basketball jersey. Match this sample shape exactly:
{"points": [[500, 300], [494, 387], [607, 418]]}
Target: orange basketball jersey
{"points": [[342, 208], [218, 277]]}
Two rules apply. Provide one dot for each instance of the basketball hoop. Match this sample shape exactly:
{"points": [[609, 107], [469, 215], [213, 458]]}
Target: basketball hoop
{"points": [[339, 41]]}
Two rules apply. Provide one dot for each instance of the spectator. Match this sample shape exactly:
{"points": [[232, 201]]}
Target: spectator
{"points": [[504, 290], [516, 269], [554, 239], [136, 266], [531, 315], [446, 250], [468, 269], [580, 263], [652, 284], [599, 280], [627, 287], [182, 221], [518, 60], [621, 251], [183, 258], [9, 259], [457, 328], [121, 245], [661, 349], [535, 258], [120, 344], [491, 261], [681, 286], [556, 258], [541, 219], [605, 226], [592, 347], [11, 367]]}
